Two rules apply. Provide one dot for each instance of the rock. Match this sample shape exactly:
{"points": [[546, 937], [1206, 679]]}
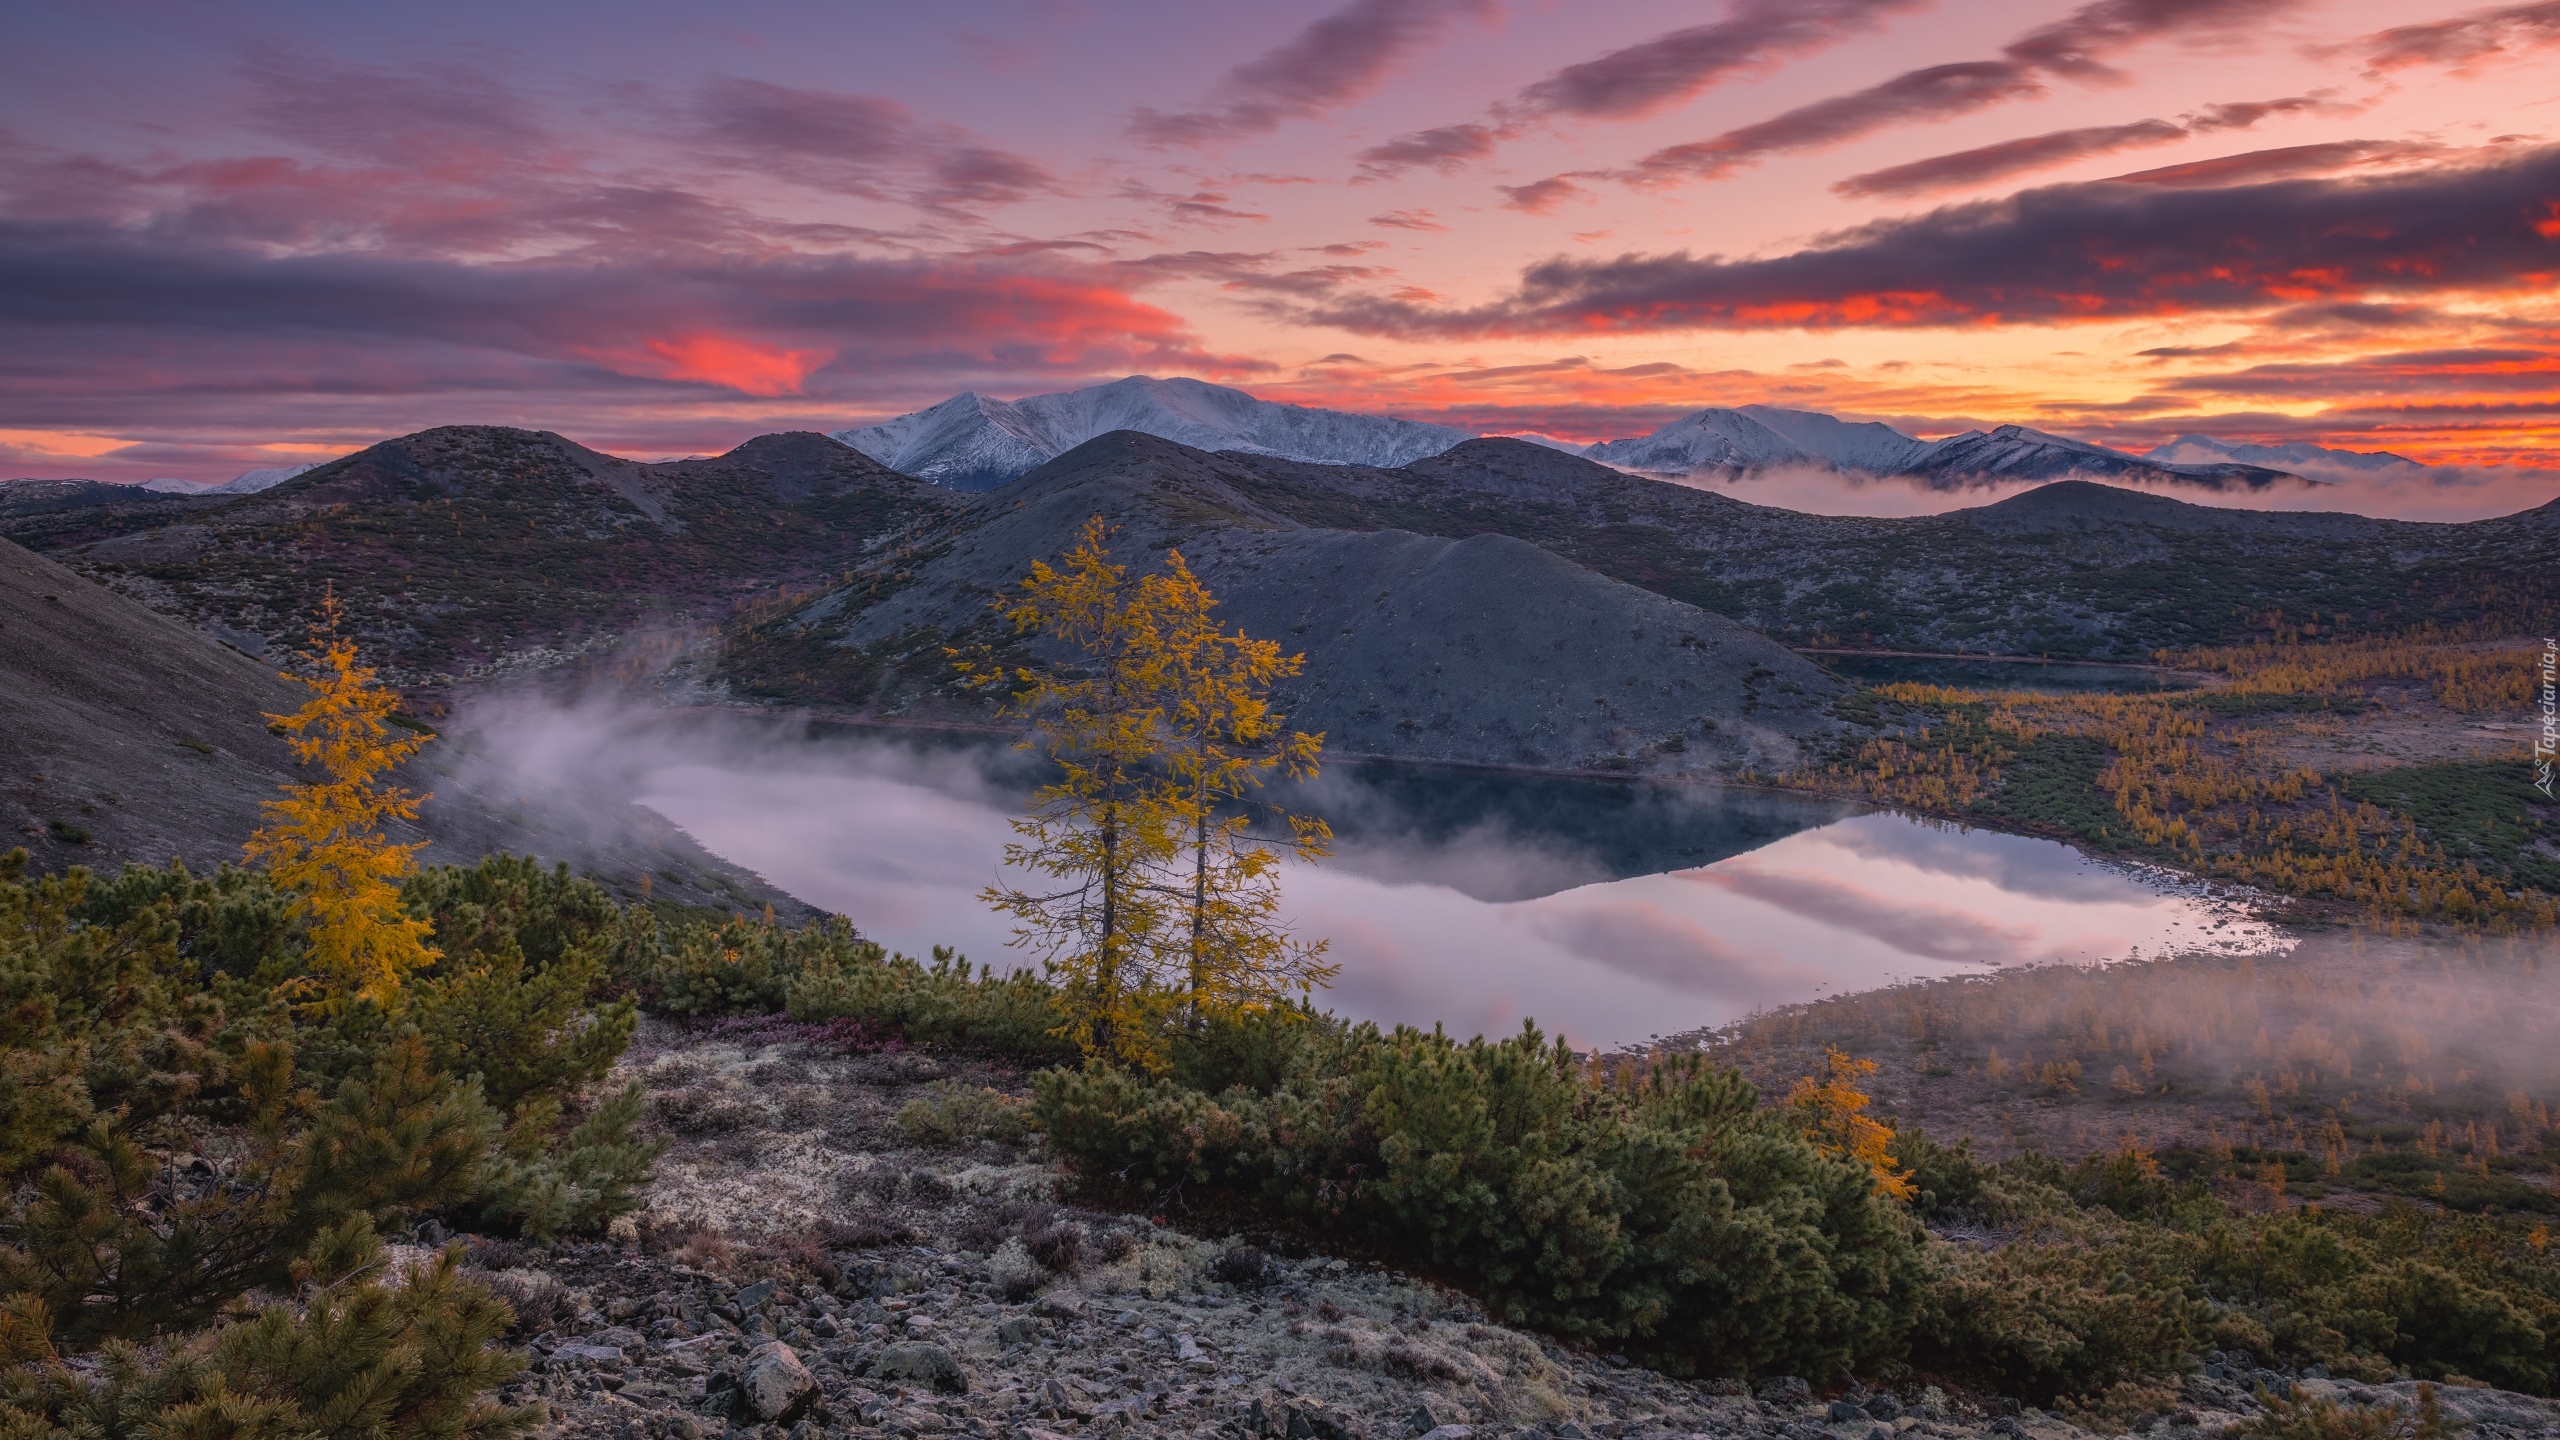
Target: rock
{"points": [[1570, 1431], [1060, 1305], [922, 1362], [1257, 1419], [1451, 1432], [1033, 1432], [1017, 1330], [1884, 1407], [753, 1296], [919, 1323], [1429, 1416], [774, 1385], [1844, 1410], [1185, 1348], [1785, 1390], [608, 1356]]}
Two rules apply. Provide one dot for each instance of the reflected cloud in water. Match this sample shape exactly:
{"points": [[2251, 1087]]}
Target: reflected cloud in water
{"points": [[1608, 912]]}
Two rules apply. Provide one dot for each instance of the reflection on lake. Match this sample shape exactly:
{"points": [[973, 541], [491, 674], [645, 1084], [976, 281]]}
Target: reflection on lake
{"points": [[1609, 912], [2059, 677]]}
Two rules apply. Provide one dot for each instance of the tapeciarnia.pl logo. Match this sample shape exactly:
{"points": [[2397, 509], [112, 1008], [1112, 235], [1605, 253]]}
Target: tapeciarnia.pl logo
{"points": [[2547, 743]]}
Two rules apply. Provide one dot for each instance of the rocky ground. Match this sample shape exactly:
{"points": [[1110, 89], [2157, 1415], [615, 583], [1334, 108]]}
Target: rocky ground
{"points": [[870, 1244]]}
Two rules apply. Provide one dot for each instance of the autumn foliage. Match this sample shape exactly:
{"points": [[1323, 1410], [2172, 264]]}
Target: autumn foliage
{"points": [[1833, 1113], [324, 842], [1153, 902]]}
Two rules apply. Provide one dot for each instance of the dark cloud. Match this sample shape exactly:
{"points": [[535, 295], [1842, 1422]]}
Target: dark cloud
{"points": [[428, 113], [1542, 197], [2076, 46], [2455, 371], [1967, 168], [2071, 48], [1640, 79], [1338, 59], [103, 328], [1443, 149], [2466, 38], [2060, 253], [2255, 166], [1937, 93], [1634, 82], [862, 145], [2241, 114]]}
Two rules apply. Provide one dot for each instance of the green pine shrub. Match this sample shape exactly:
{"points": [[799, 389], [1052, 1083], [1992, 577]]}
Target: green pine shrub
{"points": [[1667, 1213], [182, 1133]]}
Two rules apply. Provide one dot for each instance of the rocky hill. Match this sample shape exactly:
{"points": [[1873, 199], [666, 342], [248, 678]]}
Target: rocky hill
{"points": [[131, 738], [2068, 569], [478, 550], [1482, 650]]}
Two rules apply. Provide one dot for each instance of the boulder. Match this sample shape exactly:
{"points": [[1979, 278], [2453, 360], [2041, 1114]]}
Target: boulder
{"points": [[773, 1384], [921, 1362]]}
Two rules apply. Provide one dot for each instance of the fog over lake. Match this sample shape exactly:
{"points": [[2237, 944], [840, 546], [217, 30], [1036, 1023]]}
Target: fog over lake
{"points": [[1607, 911]]}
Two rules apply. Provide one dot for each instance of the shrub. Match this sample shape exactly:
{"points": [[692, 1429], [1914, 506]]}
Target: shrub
{"points": [[956, 1115], [1665, 1213], [180, 1139]]}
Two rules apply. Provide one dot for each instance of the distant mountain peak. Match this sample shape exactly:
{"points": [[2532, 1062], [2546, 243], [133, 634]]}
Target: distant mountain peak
{"points": [[974, 442]]}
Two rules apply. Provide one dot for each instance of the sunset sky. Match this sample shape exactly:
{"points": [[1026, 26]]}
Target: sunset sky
{"points": [[245, 234]]}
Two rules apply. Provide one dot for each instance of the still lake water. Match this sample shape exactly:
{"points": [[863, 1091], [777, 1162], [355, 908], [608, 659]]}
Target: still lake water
{"points": [[1608, 912]]}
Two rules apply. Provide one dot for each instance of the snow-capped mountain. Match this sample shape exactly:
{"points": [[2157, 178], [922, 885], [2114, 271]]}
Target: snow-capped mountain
{"points": [[165, 486], [1760, 437], [2300, 456], [1755, 437], [250, 482], [971, 442]]}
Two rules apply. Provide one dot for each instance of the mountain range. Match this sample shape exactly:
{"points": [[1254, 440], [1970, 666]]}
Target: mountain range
{"points": [[971, 442]]}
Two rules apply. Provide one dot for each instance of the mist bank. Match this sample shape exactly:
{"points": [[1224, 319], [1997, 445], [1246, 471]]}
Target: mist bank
{"points": [[2440, 494], [1607, 911]]}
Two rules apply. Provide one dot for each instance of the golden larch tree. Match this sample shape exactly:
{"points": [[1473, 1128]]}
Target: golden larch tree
{"points": [[1832, 1111], [1222, 740], [325, 843], [1109, 821]]}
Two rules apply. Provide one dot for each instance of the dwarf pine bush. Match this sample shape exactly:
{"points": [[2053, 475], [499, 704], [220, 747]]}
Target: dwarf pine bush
{"points": [[1667, 1213], [179, 1138]]}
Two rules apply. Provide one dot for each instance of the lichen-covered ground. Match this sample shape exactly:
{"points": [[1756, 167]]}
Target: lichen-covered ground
{"points": [[809, 1265]]}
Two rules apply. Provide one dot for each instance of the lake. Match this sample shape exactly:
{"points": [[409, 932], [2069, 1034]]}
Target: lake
{"points": [[1607, 911]]}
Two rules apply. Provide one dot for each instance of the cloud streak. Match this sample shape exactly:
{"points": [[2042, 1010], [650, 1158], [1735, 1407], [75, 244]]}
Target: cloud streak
{"points": [[2063, 253], [1339, 59], [2074, 48], [1967, 169]]}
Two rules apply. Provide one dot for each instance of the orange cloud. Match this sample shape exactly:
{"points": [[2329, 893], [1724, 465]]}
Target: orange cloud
{"points": [[738, 365]]}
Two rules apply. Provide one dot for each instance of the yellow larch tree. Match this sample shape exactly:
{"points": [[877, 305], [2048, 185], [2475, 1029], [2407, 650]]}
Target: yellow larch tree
{"points": [[1109, 822], [324, 842], [1223, 740], [1832, 1111]]}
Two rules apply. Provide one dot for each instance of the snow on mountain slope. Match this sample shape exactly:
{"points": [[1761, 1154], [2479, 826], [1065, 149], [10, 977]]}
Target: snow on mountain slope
{"points": [[1714, 439], [250, 482], [1845, 444], [972, 442], [2314, 461], [2014, 452], [1762, 436]]}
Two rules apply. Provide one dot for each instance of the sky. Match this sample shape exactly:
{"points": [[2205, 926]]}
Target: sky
{"points": [[247, 234]]}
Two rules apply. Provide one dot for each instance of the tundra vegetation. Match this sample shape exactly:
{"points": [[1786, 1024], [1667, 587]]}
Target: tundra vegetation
{"points": [[217, 1108], [2216, 781]]}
